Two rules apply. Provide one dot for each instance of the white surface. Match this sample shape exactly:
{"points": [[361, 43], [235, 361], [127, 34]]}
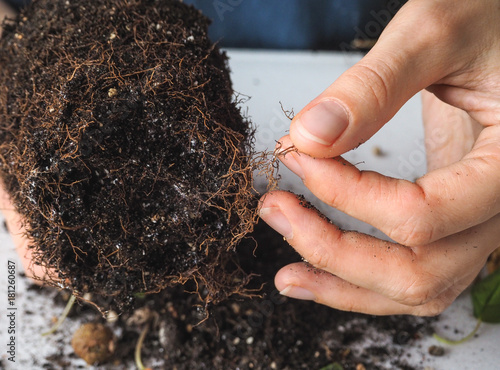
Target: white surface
{"points": [[294, 79]]}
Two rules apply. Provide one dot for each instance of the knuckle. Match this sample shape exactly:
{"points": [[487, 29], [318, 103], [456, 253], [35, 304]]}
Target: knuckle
{"points": [[376, 81], [433, 308], [333, 199], [413, 224], [414, 232], [419, 292], [438, 28], [415, 297], [319, 258], [338, 199]]}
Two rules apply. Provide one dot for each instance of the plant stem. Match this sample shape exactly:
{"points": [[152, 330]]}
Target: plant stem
{"points": [[459, 341], [138, 347], [63, 316]]}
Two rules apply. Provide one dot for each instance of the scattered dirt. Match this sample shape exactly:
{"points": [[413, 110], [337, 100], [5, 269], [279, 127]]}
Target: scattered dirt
{"points": [[123, 148], [266, 332]]}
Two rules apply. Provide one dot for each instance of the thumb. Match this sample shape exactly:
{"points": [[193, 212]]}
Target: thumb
{"points": [[416, 50]]}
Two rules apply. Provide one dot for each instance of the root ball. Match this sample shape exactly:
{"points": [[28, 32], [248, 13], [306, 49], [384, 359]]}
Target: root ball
{"points": [[122, 147]]}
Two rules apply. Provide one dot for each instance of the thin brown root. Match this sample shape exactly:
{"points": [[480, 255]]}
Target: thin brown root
{"points": [[288, 113]]}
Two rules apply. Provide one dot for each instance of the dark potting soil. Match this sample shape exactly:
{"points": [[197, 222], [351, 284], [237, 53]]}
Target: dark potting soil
{"points": [[266, 332], [122, 147]]}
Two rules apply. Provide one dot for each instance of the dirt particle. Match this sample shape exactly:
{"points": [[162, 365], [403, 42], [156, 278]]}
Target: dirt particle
{"points": [[112, 92], [111, 317], [93, 342], [437, 351], [236, 308], [378, 152]]}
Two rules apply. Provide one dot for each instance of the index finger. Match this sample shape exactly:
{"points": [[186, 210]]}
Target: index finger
{"points": [[441, 203]]}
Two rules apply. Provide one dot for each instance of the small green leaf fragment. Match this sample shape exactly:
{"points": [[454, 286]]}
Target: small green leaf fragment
{"points": [[334, 366], [486, 298], [454, 342]]}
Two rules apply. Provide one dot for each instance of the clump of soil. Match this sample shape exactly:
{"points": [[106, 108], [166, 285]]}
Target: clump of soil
{"points": [[94, 342], [122, 147]]}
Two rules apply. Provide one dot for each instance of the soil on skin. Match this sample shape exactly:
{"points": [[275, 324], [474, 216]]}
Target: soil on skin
{"points": [[122, 147]]}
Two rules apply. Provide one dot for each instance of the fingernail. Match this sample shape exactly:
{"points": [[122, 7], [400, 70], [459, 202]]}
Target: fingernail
{"points": [[323, 123], [297, 292], [290, 160], [277, 220]]}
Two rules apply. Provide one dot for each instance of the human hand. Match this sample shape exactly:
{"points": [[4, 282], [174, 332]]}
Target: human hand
{"points": [[5, 11], [447, 222], [19, 238]]}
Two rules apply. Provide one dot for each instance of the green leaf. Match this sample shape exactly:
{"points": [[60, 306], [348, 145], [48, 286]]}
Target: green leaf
{"points": [[334, 366], [486, 298]]}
